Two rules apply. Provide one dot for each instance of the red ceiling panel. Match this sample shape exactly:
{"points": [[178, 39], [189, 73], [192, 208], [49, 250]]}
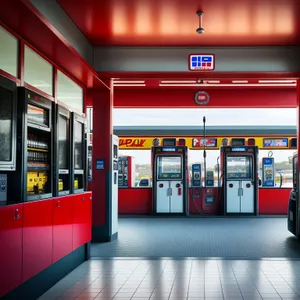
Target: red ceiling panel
{"points": [[21, 17], [174, 22]]}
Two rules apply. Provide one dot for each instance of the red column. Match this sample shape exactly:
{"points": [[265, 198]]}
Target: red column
{"points": [[298, 122], [102, 129]]}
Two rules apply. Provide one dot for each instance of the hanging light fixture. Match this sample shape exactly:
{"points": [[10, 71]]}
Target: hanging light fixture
{"points": [[200, 29]]}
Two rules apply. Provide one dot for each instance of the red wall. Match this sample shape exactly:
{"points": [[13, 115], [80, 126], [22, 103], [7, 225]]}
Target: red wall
{"points": [[219, 98], [34, 235], [139, 201]]}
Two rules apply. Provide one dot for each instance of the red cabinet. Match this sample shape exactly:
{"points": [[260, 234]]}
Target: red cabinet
{"points": [[62, 227], [10, 247], [82, 219], [37, 237]]}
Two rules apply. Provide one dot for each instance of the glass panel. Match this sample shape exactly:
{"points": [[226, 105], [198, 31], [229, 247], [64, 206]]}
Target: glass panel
{"points": [[169, 167], [238, 167], [37, 71], [69, 92], [63, 149], [78, 140], [8, 53], [6, 115]]}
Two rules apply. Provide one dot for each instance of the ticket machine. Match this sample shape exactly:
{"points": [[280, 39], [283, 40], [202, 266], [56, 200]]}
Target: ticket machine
{"points": [[126, 172], [268, 172], [170, 189], [293, 213], [240, 179]]}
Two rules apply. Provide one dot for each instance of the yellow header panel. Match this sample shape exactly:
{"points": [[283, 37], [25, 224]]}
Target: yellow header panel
{"points": [[212, 143]]}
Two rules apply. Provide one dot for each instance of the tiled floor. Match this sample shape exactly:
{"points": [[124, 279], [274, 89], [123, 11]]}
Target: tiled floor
{"points": [[235, 238], [181, 279]]}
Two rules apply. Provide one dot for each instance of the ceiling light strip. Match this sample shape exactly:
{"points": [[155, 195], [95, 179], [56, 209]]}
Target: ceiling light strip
{"points": [[134, 84], [276, 81], [177, 81], [239, 81], [129, 81], [234, 85]]}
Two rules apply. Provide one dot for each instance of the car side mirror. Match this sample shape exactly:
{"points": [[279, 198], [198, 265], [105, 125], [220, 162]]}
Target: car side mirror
{"points": [[259, 182]]}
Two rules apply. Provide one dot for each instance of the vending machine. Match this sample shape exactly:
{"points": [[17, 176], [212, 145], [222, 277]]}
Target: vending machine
{"points": [[170, 187], [239, 165], [79, 153], [35, 146], [268, 172], [8, 140], [62, 150], [113, 187], [126, 172], [293, 208]]}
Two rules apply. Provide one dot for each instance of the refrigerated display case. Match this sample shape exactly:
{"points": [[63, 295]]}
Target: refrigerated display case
{"points": [[35, 140], [62, 151], [8, 127], [79, 153]]}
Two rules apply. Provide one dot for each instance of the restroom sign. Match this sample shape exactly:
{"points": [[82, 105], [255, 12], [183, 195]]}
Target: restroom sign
{"points": [[201, 62]]}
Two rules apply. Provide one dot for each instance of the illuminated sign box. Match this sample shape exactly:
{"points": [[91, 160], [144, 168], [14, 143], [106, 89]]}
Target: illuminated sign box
{"points": [[201, 62], [201, 142], [276, 143]]}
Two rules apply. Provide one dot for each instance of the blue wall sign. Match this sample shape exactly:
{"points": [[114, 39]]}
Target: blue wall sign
{"points": [[100, 164], [201, 62]]}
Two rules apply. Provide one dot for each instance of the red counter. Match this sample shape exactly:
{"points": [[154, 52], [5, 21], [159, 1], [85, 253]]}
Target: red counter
{"points": [[136, 201], [34, 235]]}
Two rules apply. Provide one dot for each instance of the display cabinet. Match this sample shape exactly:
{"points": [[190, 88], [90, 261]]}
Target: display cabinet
{"points": [[79, 153], [62, 151]]}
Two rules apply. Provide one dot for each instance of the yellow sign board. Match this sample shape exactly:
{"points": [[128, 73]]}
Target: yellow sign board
{"points": [[212, 143]]}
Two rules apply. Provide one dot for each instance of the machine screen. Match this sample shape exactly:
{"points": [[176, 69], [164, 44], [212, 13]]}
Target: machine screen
{"points": [[62, 143], [169, 167], [6, 115], [239, 167]]}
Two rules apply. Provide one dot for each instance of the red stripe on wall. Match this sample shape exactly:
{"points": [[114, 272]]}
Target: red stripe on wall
{"points": [[219, 98]]}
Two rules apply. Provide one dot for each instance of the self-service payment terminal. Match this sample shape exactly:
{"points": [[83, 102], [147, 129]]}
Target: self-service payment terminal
{"points": [[196, 181], [240, 180], [170, 178], [196, 175], [268, 172], [293, 209]]}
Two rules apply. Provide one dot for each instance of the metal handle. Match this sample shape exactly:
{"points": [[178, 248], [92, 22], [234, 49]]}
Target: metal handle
{"points": [[58, 204], [17, 216], [82, 199], [240, 192]]}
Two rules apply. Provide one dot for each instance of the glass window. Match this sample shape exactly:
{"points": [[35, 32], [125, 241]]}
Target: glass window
{"points": [[238, 167], [63, 142], [8, 53], [6, 115], [38, 72], [169, 167], [78, 139], [69, 92]]}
